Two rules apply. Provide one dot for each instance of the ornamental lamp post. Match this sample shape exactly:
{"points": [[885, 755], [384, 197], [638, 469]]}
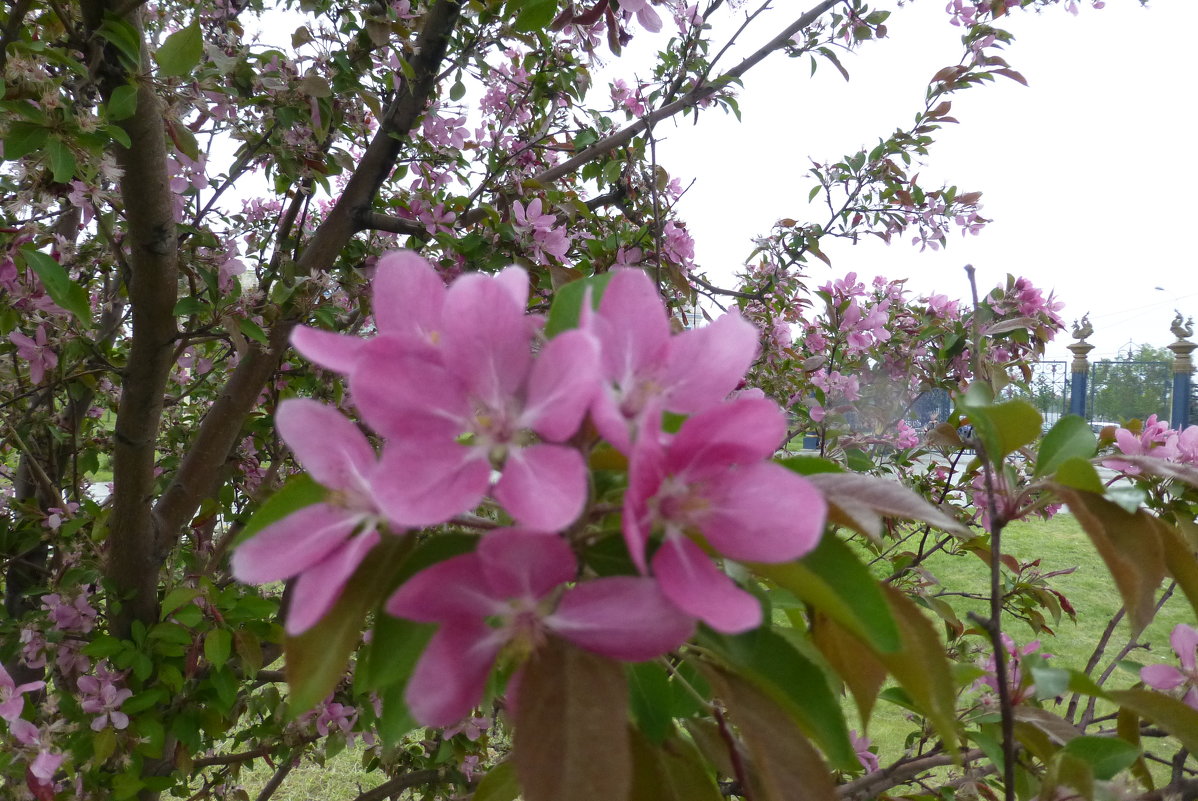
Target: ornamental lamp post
{"points": [[1183, 368], [1080, 367]]}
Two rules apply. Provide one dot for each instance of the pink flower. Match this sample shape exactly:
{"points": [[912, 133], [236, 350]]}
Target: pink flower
{"points": [[713, 480], [645, 14], [645, 371], [100, 696], [323, 543], [547, 236], [503, 595], [1016, 688], [478, 401], [12, 699], [867, 758], [36, 351], [1184, 640]]}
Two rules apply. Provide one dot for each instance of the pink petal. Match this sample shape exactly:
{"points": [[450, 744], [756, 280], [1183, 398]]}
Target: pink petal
{"points": [[632, 326], [696, 586], [318, 587], [645, 474], [525, 564], [543, 487], [1184, 640], [514, 281], [290, 546], [763, 513], [648, 18], [623, 617], [451, 676], [455, 590], [328, 445], [46, 765], [23, 731], [563, 381], [741, 431], [405, 391], [327, 349], [11, 709], [1162, 677], [408, 296], [487, 339], [424, 482], [705, 364]]}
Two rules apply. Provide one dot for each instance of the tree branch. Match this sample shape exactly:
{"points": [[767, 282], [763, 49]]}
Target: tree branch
{"points": [[373, 221], [690, 99]]}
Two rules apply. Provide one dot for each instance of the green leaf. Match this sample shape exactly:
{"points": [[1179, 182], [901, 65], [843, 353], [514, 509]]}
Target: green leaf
{"points": [[181, 52], [23, 138], [795, 683], [103, 646], [123, 102], [62, 160], [126, 785], [810, 465], [176, 598], [499, 784], [1003, 427], [1070, 438], [658, 696], [1079, 474], [298, 491], [103, 745], [567, 304], [316, 659], [1106, 756], [127, 40], [395, 647], [532, 15], [59, 286], [572, 736], [189, 305], [1179, 560], [144, 700], [218, 645], [252, 330], [834, 581], [1050, 682]]}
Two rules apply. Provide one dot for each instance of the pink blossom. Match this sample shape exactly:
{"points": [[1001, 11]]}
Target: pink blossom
{"points": [[503, 595], [75, 616], [12, 699], [36, 351], [1184, 640], [323, 543], [678, 245], [861, 745], [714, 480], [645, 14], [100, 696], [548, 238], [1016, 688], [477, 378], [645, 371]]}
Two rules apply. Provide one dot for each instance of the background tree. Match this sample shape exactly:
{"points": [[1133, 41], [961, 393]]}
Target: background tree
{"points": [[1135, 386]]}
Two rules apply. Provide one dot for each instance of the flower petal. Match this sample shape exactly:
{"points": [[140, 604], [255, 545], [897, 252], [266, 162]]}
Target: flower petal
{"points": [[451, 676], [403, 390], [332, 351], [424, 482], [631, 325], [1184, 640], [645, 475], [624, 617], [563, 381], [455, 590], [328, 445], [318, 587], [741, 431], [408, 296], [704, 364], [290, 546], [696, 586], [763, 513], [543, 487], [487, 338], [1162, 677], [525, 564]]}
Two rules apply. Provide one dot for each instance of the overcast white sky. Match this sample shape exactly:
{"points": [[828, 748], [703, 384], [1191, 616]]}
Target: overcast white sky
{"points": [[1089, 174]]}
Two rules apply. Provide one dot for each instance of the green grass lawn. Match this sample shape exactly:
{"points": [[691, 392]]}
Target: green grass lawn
{"points": [[1059, 544]]}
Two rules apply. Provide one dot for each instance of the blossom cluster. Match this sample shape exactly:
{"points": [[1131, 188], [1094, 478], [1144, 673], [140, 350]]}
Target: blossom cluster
{"points": [[476, 406], [1155, 439]]}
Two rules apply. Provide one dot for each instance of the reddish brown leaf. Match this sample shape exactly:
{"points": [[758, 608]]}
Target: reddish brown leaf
{"points": [[571, 741], [863, 674], [860, 501]]}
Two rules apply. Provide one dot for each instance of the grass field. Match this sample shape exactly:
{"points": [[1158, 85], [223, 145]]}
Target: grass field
{"points": [[1059, 544]]}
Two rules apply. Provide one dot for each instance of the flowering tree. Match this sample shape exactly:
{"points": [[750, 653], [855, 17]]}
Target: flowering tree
{"points": [[366, 359]]}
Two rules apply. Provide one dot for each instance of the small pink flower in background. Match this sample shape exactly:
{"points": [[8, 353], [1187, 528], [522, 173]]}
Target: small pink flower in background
{"points": [[1015, 654], [678, 245], [627, 99], [12, 699], [1184, 640], [472, 727], [36, 351], [867, 758], [714, 479], [548, 238], [1154, 440], [100, 696], [505, 594], [323, 543], [75, 616], [336, 716]]}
